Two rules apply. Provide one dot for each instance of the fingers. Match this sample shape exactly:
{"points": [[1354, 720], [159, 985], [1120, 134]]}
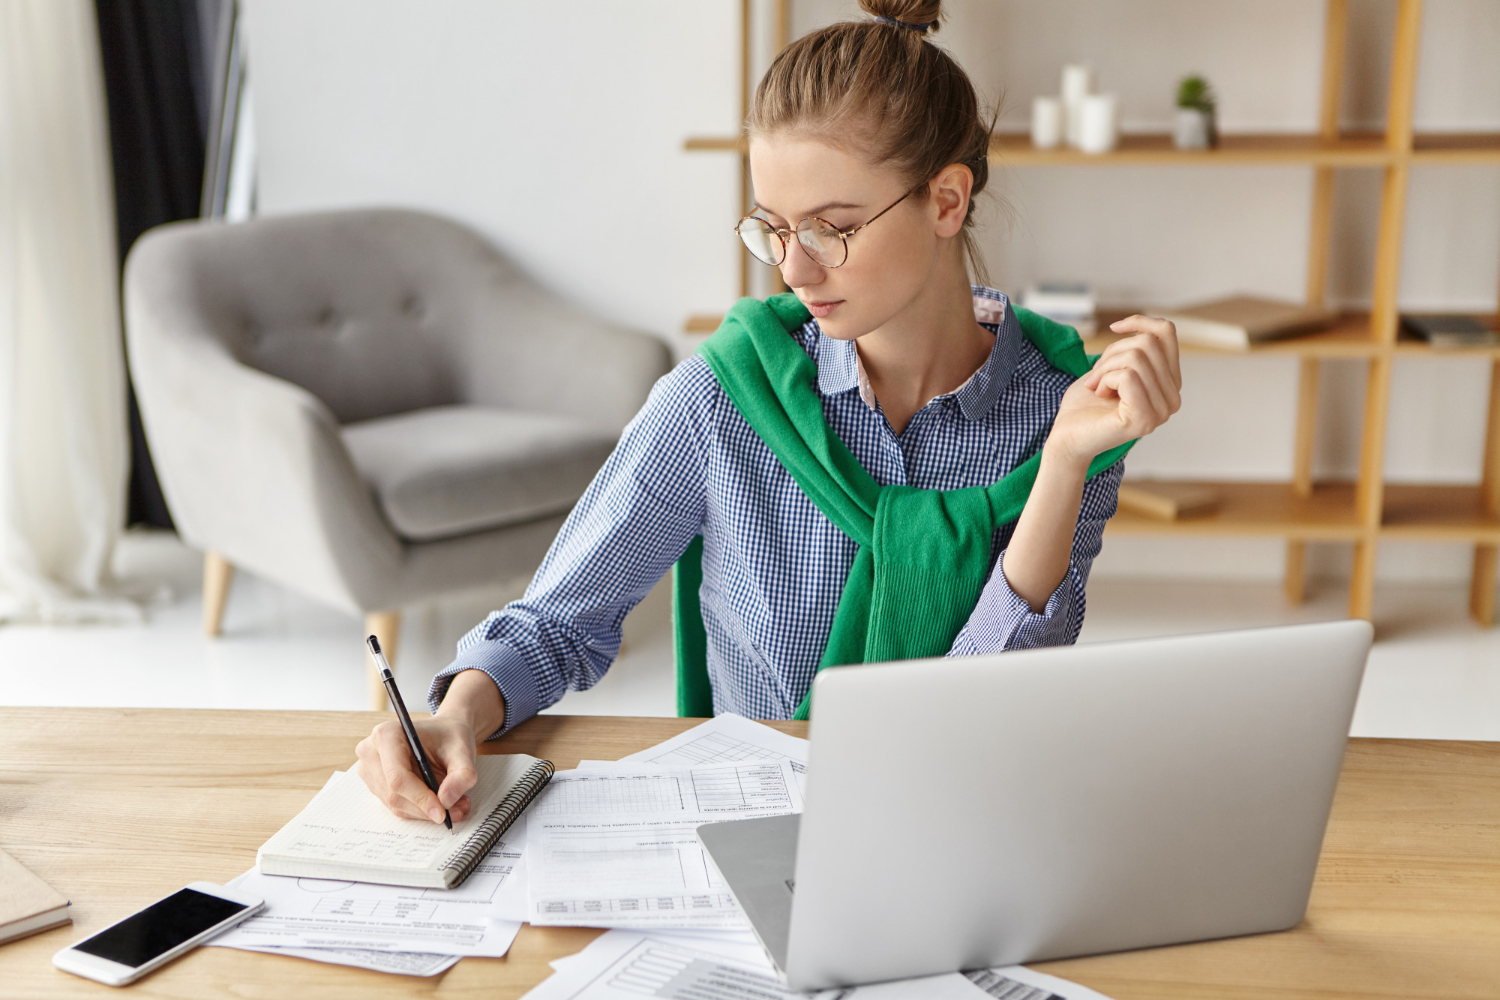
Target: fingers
{"points": [[1140, 410], [456, 754], [405, 782], [391, 773], [1161, 331], [1145, 350], [1152, 354], [1150, 381]]}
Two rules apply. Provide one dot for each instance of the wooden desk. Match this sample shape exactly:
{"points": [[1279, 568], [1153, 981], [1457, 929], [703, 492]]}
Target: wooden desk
{"points": [[116, 807]]}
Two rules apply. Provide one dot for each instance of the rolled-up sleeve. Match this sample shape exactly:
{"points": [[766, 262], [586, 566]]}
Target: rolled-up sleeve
{"points": [[1002, 619], [633, 522]]}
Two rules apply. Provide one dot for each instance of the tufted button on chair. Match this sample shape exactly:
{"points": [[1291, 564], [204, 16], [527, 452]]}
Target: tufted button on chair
{"points": [[369, 407]]}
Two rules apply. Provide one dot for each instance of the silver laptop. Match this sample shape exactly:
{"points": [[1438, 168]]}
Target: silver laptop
{"points": [[970, 812]]}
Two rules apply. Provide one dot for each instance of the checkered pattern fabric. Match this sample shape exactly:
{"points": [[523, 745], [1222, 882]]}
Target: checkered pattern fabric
{"points": [[773, 565]]}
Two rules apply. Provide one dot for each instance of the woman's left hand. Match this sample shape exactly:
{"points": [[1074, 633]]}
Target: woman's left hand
{"points": [[1132, 390]]}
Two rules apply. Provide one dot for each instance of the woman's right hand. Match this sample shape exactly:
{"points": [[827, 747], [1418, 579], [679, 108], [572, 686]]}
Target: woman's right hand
{"points": [[389, 770], [472, 709]]}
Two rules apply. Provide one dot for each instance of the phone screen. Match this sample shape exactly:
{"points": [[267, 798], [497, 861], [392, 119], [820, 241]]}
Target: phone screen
{"points": [[160, 927]]}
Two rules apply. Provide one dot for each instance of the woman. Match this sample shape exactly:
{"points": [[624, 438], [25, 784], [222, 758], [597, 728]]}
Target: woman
{"points": [[867, 149]]}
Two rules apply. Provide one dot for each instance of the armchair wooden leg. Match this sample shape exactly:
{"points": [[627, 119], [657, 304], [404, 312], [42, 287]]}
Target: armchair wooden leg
{"points": [[218, 574], [385, 626]]}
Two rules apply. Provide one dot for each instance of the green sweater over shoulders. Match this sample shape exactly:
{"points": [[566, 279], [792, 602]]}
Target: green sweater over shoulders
{"points": [[923, 555]]}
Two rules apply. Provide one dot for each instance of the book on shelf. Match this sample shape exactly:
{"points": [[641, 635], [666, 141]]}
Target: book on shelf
{"points": [[1070, 303], [1167, 501], [347, 833], [27, 904], [1451, 330], [1238, 321]]}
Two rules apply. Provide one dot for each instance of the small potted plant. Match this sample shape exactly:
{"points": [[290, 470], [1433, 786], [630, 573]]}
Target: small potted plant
{"points": [[1195, 127]]}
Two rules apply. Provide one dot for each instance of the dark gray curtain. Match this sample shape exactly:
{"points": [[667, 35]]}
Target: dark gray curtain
{"points": [[158, 60]]}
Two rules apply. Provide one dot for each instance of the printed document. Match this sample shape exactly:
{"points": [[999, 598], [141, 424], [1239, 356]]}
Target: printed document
{"points": [[327, 913], [726, 739], [404, 963], [626, 965], [618, 846]]}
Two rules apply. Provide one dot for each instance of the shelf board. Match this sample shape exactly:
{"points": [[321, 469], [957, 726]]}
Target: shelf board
{"points": [[1351, 150], [1411, 513], [1261, 509], [1348, 337], [1357, 149], [1431, 148], [1437, 513]]}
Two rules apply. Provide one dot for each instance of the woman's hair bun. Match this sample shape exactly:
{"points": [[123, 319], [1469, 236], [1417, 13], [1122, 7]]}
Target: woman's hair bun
{"points": [[906, 11]]}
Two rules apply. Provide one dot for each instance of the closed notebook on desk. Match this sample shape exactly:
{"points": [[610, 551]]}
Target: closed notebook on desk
{"points": [[347, 833], [27, 904]]}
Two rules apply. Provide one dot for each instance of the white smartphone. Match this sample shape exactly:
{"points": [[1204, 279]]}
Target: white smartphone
{"points": [[125, 951]]}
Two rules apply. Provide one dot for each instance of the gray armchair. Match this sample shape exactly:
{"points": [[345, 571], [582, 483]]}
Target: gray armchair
{"points": [[368, 407]]}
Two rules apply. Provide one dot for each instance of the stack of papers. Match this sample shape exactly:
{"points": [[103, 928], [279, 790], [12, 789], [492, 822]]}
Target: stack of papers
{"points": [[417, 932], [616, 845], [624, 965], [610, 844]]}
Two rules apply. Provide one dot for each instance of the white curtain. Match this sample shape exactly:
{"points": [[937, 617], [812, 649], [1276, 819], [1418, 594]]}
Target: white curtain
{"points": [[64, 449]]}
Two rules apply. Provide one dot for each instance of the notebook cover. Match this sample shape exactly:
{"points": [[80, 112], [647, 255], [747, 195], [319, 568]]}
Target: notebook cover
{"points": [[22, 894]]}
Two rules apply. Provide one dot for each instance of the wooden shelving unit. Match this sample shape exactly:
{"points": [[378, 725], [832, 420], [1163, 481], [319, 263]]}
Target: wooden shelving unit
{"points": [[1368, 510]]}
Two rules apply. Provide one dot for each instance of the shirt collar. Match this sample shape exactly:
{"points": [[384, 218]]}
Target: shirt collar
{"points": [[838, 362]]}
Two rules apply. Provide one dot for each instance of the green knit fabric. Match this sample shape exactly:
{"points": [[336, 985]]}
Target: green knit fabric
{"points": [[923, 555]]}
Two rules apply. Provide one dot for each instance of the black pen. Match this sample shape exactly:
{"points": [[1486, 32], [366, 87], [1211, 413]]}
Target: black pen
{"points": [[389, 680]]}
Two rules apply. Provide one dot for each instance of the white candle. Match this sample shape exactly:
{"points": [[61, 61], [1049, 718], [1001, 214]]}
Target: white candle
{"points": [[1077, 82], [1046, 122], [1099, 125]]}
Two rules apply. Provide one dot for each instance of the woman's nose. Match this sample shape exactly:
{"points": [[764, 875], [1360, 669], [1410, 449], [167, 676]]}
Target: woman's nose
{"points": [[799, 270]]}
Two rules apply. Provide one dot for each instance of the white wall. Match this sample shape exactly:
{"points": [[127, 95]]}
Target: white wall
{"points": [[556, 129]]}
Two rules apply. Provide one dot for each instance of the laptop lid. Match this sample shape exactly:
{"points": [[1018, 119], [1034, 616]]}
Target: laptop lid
{"points": [[979, 811]]}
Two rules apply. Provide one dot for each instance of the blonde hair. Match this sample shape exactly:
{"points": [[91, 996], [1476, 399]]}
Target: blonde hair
{"points": [[879, 88]]}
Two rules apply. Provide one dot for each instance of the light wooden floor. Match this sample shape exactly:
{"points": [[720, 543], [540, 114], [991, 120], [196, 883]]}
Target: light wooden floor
{"points": [[1433, 673]]}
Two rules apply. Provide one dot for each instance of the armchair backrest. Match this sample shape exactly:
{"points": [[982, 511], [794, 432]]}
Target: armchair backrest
{"points": [[360, 308]]}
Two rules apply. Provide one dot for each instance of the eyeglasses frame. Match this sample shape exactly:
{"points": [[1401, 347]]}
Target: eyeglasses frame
{"points": [[844, 234]]}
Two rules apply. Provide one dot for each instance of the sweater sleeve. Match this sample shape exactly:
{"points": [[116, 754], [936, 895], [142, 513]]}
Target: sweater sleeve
{"points": [[633, 522], [1002, 619]]}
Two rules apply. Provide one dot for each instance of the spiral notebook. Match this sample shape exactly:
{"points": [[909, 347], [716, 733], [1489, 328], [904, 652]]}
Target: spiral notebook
{"points": [[347, 833]]}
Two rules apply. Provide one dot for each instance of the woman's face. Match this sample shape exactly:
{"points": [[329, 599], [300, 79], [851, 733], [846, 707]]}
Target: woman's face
{"points": [[890, 261]]}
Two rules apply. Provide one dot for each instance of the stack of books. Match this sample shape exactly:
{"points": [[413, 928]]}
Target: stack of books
{"points": [[1236, 322], [1452, 331], [1071, 304]]}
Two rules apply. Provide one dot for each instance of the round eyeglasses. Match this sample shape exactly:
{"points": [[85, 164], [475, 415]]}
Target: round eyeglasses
{"points": [[825, 243]]}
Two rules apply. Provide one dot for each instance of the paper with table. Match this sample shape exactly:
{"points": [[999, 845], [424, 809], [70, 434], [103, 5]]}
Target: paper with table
{"points": [[726, 739], [618, 846], [324, 913], [401, 963], [624, 965]]}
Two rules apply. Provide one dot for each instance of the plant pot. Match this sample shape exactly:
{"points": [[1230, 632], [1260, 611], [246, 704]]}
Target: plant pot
{"points": [[1194, 129]]}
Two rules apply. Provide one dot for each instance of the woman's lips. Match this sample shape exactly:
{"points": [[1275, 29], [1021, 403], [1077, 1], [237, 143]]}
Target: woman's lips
{"points": [[823, 309]]}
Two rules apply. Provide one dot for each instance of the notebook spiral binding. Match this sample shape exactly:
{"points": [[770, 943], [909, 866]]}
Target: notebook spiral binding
{"points": [[463, 863]]}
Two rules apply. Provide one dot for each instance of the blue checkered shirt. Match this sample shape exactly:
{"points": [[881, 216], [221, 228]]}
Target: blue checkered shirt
{"points": [[773, 565]]}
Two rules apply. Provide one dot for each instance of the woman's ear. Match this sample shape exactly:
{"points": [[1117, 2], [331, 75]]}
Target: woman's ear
{"points": [[950, 196]]}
